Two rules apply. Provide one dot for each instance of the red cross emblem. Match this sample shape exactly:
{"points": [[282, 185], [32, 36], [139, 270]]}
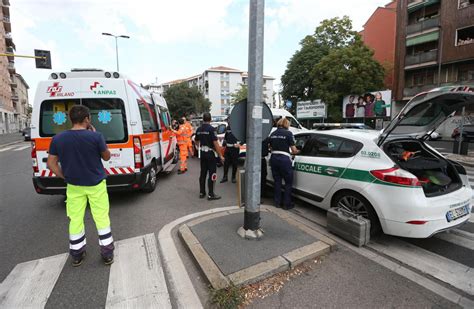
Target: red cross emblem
{"points": [[54, 89]]}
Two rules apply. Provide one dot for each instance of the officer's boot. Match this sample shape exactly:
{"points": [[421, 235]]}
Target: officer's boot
{"points": [[202, 187], [212, 196]]}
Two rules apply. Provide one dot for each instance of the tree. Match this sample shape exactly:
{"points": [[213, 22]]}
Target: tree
{"points": [[344, 71], [240, 94], [184, 100]]}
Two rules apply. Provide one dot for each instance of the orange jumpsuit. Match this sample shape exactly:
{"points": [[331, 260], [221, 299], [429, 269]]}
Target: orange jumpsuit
{"points": [[182, 139], [189, 129]]}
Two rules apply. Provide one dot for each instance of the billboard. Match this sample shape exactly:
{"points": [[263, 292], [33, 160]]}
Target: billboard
{"points": [[368, 105], [311, 109]]}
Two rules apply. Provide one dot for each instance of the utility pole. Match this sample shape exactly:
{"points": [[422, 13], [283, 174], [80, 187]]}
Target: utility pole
{"points": [[251, 228]]}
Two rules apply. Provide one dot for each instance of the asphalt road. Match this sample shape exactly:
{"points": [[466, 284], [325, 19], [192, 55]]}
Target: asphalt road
{"points": [[35, 226]]}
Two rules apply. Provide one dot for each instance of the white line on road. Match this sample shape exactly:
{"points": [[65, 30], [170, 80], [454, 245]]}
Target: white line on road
{"points": [[456, 239], [5, 149], [29, 284], [451, 272], [136, 278], [21, 148]]}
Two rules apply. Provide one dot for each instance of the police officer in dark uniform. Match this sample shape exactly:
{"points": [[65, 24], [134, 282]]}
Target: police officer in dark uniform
{"points": [[263, 172], [209, 150], [281, 141], [231, 154]]}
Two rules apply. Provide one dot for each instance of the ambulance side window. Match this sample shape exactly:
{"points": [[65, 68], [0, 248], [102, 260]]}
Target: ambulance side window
{"points": [[165, 120], [149, 121]]}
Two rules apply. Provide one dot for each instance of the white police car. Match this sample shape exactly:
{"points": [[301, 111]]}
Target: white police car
{"points": [[404, 186]]}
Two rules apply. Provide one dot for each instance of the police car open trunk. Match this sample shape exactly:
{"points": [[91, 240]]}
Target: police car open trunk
{"points": [[404, 138]]}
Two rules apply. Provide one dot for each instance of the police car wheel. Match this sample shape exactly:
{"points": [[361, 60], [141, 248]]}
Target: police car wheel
{"points": [[152, 179], [359, 205]]}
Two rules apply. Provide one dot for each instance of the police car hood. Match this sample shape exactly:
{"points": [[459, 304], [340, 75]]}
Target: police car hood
{"points": [[426, 111]]}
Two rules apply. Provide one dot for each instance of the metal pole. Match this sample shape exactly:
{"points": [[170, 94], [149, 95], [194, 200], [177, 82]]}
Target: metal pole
{"points": [[254, 118], [461, 131], [440, 54], [116, 53]]}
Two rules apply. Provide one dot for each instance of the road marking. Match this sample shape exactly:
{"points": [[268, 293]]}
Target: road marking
{"points": [[5, 149], [29, 284], [136, 278], [21, 148], [456, 239], [451, 272]]}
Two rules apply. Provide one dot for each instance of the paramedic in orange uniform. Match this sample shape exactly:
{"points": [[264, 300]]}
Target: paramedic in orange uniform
{"points": [[182, 139], [189, 129]]}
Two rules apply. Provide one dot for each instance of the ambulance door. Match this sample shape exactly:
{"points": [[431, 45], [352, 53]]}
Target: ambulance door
{"points": [[151, 136], [167, 149]]}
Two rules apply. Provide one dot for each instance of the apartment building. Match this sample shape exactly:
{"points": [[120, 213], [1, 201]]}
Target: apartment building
{"points": [[20, 102], [217, 84], [435, 46]]}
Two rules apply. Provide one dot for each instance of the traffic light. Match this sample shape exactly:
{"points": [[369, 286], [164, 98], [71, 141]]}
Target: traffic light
{"points": [[45, 61]]}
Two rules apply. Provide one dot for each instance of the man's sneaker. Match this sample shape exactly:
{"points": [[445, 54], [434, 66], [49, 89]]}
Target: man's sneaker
{"points": [[213, 197], [108, 259], [224, 180], [77, 260], [202, 195]]}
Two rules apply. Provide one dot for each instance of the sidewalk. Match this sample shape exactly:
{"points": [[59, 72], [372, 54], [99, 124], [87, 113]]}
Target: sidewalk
{"points": [[9, 138]]}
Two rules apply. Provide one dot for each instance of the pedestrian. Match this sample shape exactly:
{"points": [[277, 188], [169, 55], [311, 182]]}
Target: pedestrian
{"points": [[209, 150], [79, 151], [190, 132], [281, 141], [182, 139], [231, 153]]}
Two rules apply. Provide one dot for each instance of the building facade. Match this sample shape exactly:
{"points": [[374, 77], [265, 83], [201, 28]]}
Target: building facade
{"points": [[217, 84], [21, 103], [380, 34], [435, 46]]}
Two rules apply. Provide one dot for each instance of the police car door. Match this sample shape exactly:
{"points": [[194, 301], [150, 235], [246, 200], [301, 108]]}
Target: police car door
{"points": [[320, 164]]}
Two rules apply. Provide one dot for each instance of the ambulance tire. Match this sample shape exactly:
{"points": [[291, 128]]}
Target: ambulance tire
{"points": [[350, 198], [152, 179]]}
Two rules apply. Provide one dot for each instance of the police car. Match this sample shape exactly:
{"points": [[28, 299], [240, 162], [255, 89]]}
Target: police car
{"points": [[405, 187]]}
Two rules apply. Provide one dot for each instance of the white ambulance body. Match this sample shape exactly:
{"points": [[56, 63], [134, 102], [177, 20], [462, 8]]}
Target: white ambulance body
{"points": [[134, 122]]}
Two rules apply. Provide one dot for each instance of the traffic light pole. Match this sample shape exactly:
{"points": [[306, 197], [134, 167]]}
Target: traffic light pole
{"points": [[22, 56], [254, 122]]}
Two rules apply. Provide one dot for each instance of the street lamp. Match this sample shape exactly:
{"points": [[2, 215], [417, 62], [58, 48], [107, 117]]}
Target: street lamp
{"points": [[116, 44]]}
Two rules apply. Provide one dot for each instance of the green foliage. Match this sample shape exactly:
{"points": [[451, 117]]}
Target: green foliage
{"points": [[184, 100], [332, 63], [228, 298], [240, 94]]}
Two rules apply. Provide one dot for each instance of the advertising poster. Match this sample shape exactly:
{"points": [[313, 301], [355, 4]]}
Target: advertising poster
{"points": [[375, 104], [311, 109]]}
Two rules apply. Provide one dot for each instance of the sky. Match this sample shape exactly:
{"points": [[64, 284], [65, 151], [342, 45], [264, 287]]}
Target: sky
{"points": [[168, 39]]}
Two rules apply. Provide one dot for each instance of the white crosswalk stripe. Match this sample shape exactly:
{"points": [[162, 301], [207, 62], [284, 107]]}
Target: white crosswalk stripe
{"points": [[17, 147], [457, 240], [5, 149], [136, 278], [21, 148], [21, 289]]}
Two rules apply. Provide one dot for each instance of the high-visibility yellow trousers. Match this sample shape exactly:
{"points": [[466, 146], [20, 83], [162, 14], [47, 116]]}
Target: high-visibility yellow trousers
{"points": [[76, 203]]}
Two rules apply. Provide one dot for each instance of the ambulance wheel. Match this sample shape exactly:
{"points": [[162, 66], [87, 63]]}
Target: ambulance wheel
{"points": [[359, 205], [152, 179]]}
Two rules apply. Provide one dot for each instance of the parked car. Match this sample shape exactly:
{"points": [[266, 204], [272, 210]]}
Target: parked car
{"points": [[394, 178], [27, 133], [467, 134], [331, 126]]}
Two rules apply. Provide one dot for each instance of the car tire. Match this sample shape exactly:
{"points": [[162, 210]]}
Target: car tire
{"points": [[359, 205], [152, 176]]}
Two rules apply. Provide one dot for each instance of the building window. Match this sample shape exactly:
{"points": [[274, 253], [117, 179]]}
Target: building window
{"points": [[466, 73], [465, 36], [418, 79], [465, 3]]}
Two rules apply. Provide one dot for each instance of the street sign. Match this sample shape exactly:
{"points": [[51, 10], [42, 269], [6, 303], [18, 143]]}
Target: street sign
{"points": [[238, 120], [311, 109], [43, 59]]}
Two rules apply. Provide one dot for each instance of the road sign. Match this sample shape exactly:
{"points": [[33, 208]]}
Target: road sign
{"points": [[238, 120], [43, 59], [311, 109]]}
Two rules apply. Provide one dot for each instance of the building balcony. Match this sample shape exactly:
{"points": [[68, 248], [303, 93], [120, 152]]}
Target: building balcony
{"points": [[15, 98], [415, 5], [5, 2], [13, 84], [423, 26], [11, 67], [410, 92], [421, 58], [423, 38], [6, 24]]}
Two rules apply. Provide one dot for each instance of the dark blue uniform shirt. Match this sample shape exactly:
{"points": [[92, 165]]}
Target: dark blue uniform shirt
{"points": [[229, 138], [281, 140], [206, 135], [79, 153]]}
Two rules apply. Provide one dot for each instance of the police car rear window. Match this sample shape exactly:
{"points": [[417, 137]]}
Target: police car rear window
{"points": [[108, 117]]}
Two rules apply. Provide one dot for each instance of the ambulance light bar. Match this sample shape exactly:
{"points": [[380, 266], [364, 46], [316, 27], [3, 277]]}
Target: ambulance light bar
{"points": [[85, 73]]}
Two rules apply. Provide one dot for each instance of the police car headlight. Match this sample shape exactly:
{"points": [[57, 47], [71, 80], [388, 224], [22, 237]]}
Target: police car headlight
{"points": [[54, 76], [62, 75], [107, 74], [116, 75]]}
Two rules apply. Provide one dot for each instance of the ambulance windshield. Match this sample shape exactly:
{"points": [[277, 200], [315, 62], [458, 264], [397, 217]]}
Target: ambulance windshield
{"points": [[108, 117]]}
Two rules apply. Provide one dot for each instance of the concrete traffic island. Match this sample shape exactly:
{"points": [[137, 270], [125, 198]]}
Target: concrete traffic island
{"points": [[228, 259]]}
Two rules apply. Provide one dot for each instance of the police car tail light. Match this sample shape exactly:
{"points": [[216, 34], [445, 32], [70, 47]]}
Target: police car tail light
{"points": [[34, 158], [396, 176], [137, 151]]}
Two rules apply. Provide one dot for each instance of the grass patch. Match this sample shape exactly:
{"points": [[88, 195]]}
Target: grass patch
{"points": [[227, 298]]}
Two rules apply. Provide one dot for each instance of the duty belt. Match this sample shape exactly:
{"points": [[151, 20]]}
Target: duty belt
{"points": [[231, 145], [206, 149], [281, 153]]}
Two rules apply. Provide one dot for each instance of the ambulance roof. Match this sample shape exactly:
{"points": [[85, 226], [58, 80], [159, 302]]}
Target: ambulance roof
{"points": [[86, 73]]}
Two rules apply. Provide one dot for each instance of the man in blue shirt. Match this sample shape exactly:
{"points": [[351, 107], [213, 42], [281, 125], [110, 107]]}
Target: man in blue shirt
{"points": [[75, 155]]}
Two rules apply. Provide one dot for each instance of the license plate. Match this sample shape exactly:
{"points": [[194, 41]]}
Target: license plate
{"points": [[457, 213]]}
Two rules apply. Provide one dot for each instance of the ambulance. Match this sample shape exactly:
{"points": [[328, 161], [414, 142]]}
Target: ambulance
{"points": [[134, 122]]}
